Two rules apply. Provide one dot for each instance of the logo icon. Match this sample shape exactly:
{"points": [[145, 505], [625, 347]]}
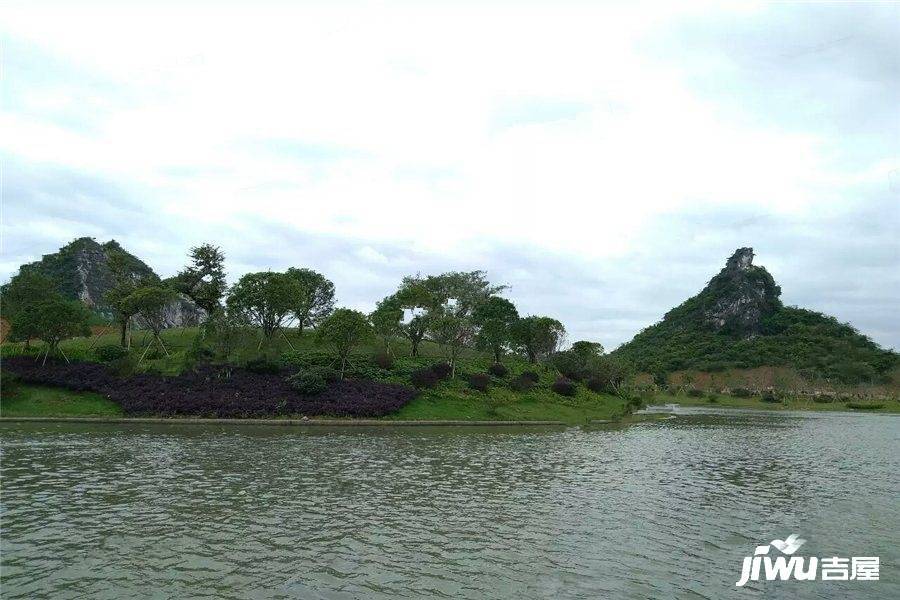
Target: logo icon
{"points": [[787, 566]]}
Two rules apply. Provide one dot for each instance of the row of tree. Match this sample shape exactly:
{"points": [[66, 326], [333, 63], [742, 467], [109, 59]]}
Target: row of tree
{"points": [[456, 310]]}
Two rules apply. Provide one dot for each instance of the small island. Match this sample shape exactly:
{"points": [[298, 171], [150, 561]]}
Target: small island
{"points": [[92, 331]]}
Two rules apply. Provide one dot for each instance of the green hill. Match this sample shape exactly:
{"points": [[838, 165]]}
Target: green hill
{"points": [[738, 321]]}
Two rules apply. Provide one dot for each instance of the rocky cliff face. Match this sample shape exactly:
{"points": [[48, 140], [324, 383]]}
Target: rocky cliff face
{"points": [[81, 271], [740, 296]]}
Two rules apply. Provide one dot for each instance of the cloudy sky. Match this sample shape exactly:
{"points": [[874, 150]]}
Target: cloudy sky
{"points": [[603, 160]]}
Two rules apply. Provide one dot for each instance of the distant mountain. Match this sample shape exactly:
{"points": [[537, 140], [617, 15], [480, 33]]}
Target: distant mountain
{"points": [[738, 321], [81, 271]]}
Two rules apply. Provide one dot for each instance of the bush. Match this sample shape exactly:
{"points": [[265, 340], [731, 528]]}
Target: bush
{"points": [[864, 405], [310, 382], [564, 387], [521, 383], [383, 360], [740, 393], [479, 381], [769, 396], [595, 384], [569, 364], [498, 370], [300, 360], [824, 399], [263, 365], [214, 392], [712, 399], [109, 353], [424, 378], [531, 376], [441, 370], [695, 393]]}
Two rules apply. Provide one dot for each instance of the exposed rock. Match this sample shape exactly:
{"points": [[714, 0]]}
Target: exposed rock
{"points": [[81, 272], [740, 296]]}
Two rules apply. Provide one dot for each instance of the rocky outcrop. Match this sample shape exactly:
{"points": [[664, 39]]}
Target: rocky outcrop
{"points": [[740, 296], [81, 272]]}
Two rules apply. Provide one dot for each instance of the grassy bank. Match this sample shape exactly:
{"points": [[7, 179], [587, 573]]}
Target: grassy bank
{"points": [[40, 401], [434, 405], [787, 403]]}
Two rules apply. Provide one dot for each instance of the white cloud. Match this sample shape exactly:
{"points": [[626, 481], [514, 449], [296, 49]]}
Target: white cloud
{"points": [[447, 130]]}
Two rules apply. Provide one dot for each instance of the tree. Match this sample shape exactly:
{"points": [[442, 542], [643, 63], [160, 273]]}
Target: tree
{"points": [[52, 320], [586, 350], [265, 299], [538, 337], [118, 297], [203, 281], [343, 331], [495, 318], [24, 290], [315, 300], [412, 298], [386, 321], [149, 303]]}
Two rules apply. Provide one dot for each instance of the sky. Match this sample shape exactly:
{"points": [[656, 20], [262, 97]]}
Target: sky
{"points": [[603, 160]]}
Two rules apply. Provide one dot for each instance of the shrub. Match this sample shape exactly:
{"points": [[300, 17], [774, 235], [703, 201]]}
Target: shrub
{"points": [[498, 370], [569, 364], [531, 376], [824, 399], [521, 383], [109, 353], [263, 365], [479, 381], [695, 393], [634, 403], [769, 396], [441, 370], [564, 387], [310, 382], [712, 398], [595, 384], [424, 378], [299, 360], [864, 405], [210, 391], [383, 360], [740, 393]]}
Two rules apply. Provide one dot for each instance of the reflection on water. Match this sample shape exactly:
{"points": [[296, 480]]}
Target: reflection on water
{"points": [[658, 510]]}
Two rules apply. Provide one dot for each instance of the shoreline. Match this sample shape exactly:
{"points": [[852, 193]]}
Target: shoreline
{"points": [[289, 422]]}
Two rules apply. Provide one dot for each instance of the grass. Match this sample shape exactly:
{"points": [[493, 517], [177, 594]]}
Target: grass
{"points": [[723, 401], [38, 401], [450, 400]]}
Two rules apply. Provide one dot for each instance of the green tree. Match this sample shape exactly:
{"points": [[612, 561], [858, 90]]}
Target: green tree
{"points": [[265, 299], [149, 303], [315, 300], [24, 290], [203, 280], [494, 319], [587, 350], [52, 320], [125, 280], [386, 322], [538, 337], [343, 331]]}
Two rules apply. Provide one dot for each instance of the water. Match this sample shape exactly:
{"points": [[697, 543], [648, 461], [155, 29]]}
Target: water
{"points": [[662, 510]]}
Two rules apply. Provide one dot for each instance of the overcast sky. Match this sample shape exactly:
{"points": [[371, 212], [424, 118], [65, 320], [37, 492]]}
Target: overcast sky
{"points": [[601, 160]]}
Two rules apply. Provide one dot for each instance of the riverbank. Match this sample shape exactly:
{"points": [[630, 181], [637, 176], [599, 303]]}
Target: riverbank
{"points": [[786, 403], [453, 404]]}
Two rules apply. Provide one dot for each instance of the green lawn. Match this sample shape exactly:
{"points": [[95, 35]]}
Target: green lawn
{"points": [[38, 401]]}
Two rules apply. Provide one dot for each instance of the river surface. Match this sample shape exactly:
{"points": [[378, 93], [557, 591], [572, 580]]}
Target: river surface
{"points": [[657, 510]]}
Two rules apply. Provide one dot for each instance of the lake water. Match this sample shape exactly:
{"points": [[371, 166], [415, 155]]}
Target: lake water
{"points": [[658, 510]]}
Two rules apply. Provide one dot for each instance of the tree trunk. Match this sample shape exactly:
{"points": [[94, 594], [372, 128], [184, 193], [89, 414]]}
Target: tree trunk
{"points": [[415, 346], [124, 332], [497, 355], [343, 365]]}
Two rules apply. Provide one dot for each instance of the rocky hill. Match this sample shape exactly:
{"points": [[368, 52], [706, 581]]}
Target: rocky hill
{"points": [[81, 271], [738, 321]]}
